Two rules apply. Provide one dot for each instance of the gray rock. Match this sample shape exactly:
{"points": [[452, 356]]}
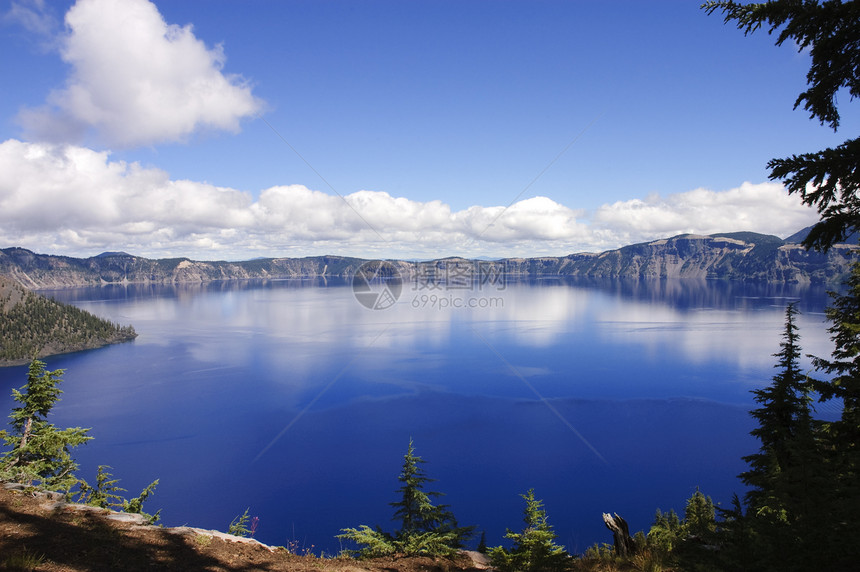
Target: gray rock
{"points": [[131, 517]]}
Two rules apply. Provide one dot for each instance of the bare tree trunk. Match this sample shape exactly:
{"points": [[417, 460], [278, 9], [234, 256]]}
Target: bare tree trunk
{"points": [[624, 544], [28, 427]]}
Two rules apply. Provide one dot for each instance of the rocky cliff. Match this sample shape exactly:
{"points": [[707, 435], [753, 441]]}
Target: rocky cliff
{"points": [[735, 256], [47, 271]]}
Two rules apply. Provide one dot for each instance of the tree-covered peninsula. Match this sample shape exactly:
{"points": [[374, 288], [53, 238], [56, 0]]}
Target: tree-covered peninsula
{"points": [[35, 326]]}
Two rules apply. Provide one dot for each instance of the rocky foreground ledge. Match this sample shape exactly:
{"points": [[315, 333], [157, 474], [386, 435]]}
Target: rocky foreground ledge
{"points": [[40, 531]]}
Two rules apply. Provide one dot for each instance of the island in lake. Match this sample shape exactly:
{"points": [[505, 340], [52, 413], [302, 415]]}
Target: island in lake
{"points": [[34, 326]]}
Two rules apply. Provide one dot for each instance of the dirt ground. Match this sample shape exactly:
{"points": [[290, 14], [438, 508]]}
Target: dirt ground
{"points": [[37, 533]]}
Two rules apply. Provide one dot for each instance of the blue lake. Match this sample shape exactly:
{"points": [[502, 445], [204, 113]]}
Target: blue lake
{"points": [[291, 398]]}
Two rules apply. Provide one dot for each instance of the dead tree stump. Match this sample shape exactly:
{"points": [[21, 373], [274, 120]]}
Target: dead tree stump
{"points": [[624, 544]]}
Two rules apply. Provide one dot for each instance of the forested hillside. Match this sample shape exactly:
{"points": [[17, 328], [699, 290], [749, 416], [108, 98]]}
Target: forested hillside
{"points": [[35, 326]]}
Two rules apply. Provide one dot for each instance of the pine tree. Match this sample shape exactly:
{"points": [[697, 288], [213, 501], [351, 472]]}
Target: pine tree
{"points": [[784, 526], [844, 315], [699, 516], [838, 511], [667, 532], [482, 544], [135, 505], [40, 452], [779, 471], [688, 543], [534, 549], [416, 510], [426, 529], [105, 493], [239, 525]]}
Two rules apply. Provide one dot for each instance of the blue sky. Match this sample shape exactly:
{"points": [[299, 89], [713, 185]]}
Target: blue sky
{"points": [[411, 129]]}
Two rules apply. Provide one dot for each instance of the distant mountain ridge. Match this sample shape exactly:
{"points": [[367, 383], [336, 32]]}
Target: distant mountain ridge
{"points": [[735, 256]]}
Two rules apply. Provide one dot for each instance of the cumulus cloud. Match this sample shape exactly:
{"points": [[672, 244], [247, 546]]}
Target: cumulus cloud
{"points": [[764, 207], [538, 218], [74, 200], [137, 80]]}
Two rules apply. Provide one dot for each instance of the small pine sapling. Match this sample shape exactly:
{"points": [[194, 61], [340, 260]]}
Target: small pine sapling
{"points": [[534, 549], [426, 529], [482, 545], [239, 525], [135, 505], [104, 494]]}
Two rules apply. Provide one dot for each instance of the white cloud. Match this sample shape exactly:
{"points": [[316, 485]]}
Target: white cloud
{"points": [[535, 218], [137, 80], [764, 207], [73, 200]]}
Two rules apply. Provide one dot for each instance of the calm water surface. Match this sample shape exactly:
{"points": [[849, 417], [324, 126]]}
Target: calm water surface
{"points": [[291, 398]]}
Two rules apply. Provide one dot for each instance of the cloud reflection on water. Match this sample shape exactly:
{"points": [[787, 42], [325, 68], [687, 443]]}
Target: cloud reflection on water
{"points": [[309, 329]]}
